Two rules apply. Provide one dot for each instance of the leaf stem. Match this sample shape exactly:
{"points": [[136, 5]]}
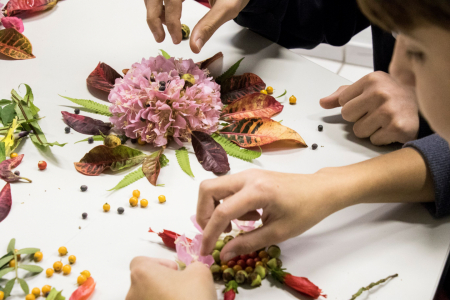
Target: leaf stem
{"points": [[16, 264], [363, 289], [24, 178]]}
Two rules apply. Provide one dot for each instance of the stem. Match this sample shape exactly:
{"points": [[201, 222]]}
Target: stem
{"points": [[16, 264], [29, 180], [361, 290]]}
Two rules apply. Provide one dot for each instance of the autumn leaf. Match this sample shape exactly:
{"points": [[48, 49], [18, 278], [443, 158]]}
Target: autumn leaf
{"points": [[210, 154], [236, 87], [102, 157], [86, 125], [84, 291], [256, 105], [151, 166], [16, 7], [257, 132], [205, 63], [7, 165], [15, 45], [5, 201], [103, 77]]}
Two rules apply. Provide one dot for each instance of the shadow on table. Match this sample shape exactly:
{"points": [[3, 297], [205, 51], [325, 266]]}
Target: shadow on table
{"points": [[249, 42]]}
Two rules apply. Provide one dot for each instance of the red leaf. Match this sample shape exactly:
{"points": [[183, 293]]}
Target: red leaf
{"points": [[15, 7], [256, 105], [303, 285], [5, 201], [169, 237], [205, 63], [86, 125], [257, 132], [151, 166], [103, 77], [237, 87], [84, 291], [7, 165], [210, 154]]}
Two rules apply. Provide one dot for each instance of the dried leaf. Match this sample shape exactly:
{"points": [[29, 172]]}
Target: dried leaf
{"points": [[5, 201], [229, 73], [257, 132], [256, 105], [237, 87], [103, 77], [102, 157], [152, 166], [16, 7], [7, 165], [210, 154], [15, 45], [86, 125], [183, 160], [205, 63], [84, 291]]}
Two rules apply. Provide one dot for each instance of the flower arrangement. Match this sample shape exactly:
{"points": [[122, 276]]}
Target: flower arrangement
{"points": [[163, 99]]}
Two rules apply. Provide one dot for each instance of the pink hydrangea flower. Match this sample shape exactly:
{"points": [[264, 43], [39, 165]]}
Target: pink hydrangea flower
{"points": [[153, 102], [190, 252], [13, 22]]}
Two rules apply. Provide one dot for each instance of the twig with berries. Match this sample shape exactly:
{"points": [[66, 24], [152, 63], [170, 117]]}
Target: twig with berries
{"points": [[363, 289]]}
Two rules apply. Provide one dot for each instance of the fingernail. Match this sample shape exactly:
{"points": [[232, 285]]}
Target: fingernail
{"points": [[199, 43], [229, 256], [156, 36]]}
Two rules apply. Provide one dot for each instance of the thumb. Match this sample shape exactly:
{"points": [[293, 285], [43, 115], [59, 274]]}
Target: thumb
{"points": [[332, 101], [205, 28]]}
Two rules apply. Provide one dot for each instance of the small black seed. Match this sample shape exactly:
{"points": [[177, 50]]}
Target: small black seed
{"points": [[162, 88], [162, 83], [90, 140], [133, 141], [147, 105], [320, 127], [67, 129], [77, 111], [17, 173], [314, 146], [83, 188], [142, 120], [84, 215], [120, 210]]}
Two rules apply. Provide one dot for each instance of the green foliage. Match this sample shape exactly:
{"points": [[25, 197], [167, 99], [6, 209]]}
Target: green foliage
{"points": [[8, 113], [183, 160], [8, 287], [5, 271], [31, 268], [55, 295], [29, 100], [24, 286], [95, 137], [28, 251], [165, 54], [234, 150], [129, 179], [163, 160], [11, 245], [2, 151], [6, 259], [91, 106], [5, 101], [230, 72], [282, 94]]}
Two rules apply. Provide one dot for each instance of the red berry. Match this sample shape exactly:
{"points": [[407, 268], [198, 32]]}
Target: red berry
{"points": [[242, 263], [244, 256], [257, 259], [42, 165], [231, 263], [253, 254], [235, 259], [250, 262]]}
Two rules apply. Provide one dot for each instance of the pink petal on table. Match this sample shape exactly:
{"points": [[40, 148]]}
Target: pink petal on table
{"points": [[190, 252], [194, 220], [13, 22], [244, 225]]}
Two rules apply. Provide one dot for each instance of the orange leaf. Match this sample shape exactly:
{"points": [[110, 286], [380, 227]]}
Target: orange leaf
{"points": [[256, 105], [257, 132], [205, 63], [15, 45], [237, 87], [15, 7], [151, 166], [84, 291]]}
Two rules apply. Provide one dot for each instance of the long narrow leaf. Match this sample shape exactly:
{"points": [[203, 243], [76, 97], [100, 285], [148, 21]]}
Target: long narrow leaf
{"points": [[230, 72], [165, 54], [11, 245], [183, 161], [91, 106], [28, 251], [24, 286], [31, 268], [129, 179], [5, 260], [234, 150], [95, 137], [5, 271], [8, 287]]}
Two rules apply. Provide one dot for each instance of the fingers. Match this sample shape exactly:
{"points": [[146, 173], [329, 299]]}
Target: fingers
{"points": [[368, 125], [332, 101], [357, 108], [383, 136], [155, 13], [221, 12], [172, 19]]}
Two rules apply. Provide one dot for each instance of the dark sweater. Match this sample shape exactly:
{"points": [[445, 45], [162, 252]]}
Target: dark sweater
{"points": [[307, 23]]}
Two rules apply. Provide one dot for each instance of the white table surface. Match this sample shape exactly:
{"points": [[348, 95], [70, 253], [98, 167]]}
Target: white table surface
{"points": [[346, 251]]}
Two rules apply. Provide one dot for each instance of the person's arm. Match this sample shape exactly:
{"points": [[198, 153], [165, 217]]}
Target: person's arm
{"points": [[293, 203]]}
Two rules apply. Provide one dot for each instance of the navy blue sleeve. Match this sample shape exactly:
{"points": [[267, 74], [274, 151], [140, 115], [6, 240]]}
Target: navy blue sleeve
{"points": [[304, 23], [436, 153]]}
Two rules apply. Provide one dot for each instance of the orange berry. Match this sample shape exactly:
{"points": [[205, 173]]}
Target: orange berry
{"points": [[46, 289], [62, 251], [57, 266], [144, 203], [86, 273], [38, 256], [292, 100], [81, 279], [13, 155], [66, 269], [263, 92], [36, 292], [136, 193], [49, 272], [269, 90], [133, 201], [162, 199]]}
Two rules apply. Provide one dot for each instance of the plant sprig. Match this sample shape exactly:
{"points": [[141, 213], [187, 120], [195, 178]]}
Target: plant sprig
{"points": [[363, 289]]}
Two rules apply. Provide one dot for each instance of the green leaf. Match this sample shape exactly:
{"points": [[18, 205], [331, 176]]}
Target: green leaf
{"points": [[92, 106], [5, 101], [8, 287], [31, 268], [230, 72], [24, 286], [165, 54], [11, 245], [28, 251], [183, 160], [2, 151], [129, 179], [6, 259], [163, 160], [5, 271], [95, 137], [29, 100], [8, 113], [55, 295], [234, 150], [282, 94]]}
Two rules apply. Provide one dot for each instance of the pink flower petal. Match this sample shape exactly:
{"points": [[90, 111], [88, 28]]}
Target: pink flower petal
{"points": [[190, 252], [13, 22], [194, 220], [245, 225]]}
